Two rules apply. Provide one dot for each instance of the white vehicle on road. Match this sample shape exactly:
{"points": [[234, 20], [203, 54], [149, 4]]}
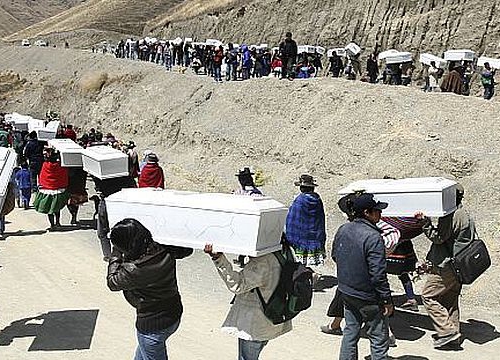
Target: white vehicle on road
{"points": [[41, 43]]}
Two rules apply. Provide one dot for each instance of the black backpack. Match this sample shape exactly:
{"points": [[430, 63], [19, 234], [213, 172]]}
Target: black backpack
{"points": [[472, 260], [294, 291]]}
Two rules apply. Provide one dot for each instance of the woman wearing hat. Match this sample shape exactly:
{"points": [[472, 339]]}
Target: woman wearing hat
{"points": [[152, 174], [305, 224], [52, 196]]}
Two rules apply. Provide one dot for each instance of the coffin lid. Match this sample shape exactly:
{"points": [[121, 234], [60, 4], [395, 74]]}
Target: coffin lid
{"points": [[409, 185], [238, 204], [64, 144], [103, 152]]}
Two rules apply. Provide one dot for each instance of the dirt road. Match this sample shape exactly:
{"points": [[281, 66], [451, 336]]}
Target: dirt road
{"points": [[54, 304]]}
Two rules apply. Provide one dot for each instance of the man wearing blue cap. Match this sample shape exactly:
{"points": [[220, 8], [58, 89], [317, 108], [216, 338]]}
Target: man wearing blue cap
{"points": [[361, 270]]}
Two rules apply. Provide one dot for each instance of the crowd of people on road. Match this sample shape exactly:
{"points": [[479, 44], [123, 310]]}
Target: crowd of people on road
{"points": [[287, 61], [365, 249]]}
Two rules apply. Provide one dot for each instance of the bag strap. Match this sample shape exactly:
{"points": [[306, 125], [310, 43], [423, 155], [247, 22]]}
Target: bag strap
{"points": [[282, 260]]}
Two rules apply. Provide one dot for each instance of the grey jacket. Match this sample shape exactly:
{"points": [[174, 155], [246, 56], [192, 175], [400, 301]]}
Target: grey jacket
{"points": [[449, 236]]}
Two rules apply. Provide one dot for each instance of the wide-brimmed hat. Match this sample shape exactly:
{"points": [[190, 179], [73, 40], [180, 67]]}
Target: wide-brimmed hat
{"points": [[245, 172], [152, 158], [367, 201], [306, 180]]}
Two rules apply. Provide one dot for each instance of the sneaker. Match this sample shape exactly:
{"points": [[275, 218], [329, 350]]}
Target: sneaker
{"points": [[439, 342], [331, 331]]}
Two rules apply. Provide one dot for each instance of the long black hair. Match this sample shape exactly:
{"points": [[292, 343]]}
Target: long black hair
{"points": [[131, 238]]}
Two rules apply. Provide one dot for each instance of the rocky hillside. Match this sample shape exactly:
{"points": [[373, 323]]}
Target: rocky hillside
{"points": [[118, 16], [423, 25], [16, 15]]}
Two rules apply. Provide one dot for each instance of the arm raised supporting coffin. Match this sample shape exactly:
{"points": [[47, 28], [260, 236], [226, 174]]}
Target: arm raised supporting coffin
{"points": [[237, 224], [104, 162], [435, 196], [71, 152]]}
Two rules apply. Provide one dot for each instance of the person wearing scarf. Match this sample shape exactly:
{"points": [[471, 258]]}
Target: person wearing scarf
{"points": [[152, 174], [52, 196]]}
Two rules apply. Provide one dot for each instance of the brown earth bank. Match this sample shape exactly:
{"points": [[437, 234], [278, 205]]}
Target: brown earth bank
{"points": [[337, 130], [417, 26]]}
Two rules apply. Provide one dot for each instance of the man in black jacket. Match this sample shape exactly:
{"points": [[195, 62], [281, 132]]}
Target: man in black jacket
{"points": [[361, 270], [288, 50], [146, 273]]}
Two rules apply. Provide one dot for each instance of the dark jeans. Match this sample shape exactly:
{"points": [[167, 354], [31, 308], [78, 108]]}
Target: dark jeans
{"points": [[217, 72], [378, 331], [151, 345], [287, 70], [489, 91], [250, 350]]}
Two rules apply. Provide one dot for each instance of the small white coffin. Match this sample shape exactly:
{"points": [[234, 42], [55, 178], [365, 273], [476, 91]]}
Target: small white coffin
{"points": [[384, 54], [213, 42], [338, 51], [71, 152], [353, 49], [237, 224], [399, 58], [48, 132], [8, 158], [19, 122], [459, 55], [320, 50], [494, 63], [104, 162], [427, 58], [435, 196]]}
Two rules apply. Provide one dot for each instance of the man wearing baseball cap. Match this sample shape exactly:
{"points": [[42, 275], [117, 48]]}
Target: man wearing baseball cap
{"points": [[361, 270]]}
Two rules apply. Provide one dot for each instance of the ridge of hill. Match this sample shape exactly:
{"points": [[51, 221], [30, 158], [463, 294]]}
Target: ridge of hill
{"points": [[417, 26], [118, 16], [17, 15]]}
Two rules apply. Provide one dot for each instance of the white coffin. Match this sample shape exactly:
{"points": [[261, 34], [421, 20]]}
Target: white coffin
{"points": [[353, 49], [338, 51], [494, 63], [434, 196], [71, 152], [427, 58], [320, 50], [399, 58], [48, 132], [213, 42], [301, 49], [104, 162], [8, 158], [384, 54], [459, 55], [237, 224], [35, 124], [188, 40], [19, 122]]}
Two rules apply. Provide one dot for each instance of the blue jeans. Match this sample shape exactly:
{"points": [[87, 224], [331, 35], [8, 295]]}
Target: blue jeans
{"points": [[151, 346], [217, 74], [250, 350], [378, 333]]}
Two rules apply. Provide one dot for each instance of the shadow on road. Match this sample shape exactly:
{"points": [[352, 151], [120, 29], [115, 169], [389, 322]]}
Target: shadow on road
{"points": [[23, 233], [54, 331], [409, 325]]}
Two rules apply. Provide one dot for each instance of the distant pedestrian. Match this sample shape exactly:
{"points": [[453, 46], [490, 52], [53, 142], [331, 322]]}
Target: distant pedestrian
{"points": [[152, 174], [288, 52], [488, 81], [23, 182]]}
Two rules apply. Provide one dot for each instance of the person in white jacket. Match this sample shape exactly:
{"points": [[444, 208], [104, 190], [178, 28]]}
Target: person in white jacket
{"points": [[246, 317]]}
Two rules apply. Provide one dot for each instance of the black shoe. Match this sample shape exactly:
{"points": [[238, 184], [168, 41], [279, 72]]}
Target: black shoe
{"points": [[440, 342]]}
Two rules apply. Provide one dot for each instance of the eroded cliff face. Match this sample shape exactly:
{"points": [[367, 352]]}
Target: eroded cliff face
{"points": [[410, 25]]}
